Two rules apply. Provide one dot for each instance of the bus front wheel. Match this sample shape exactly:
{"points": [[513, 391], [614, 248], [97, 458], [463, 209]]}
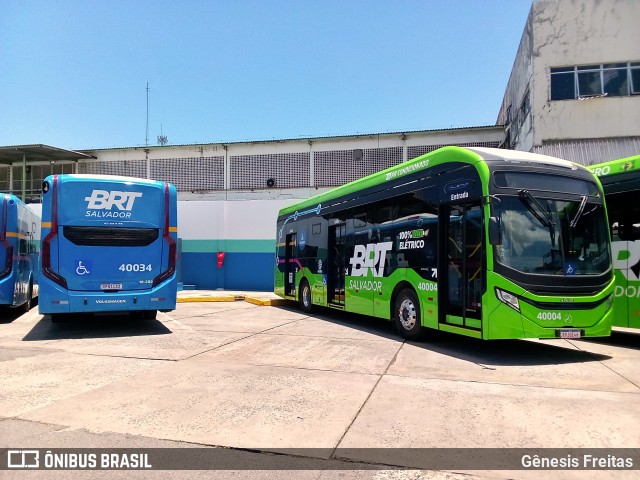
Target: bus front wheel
{"points": [[305, 297], [406, 315]]}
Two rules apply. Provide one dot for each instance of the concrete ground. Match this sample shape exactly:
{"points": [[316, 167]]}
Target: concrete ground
{"points": [[223, 370]]}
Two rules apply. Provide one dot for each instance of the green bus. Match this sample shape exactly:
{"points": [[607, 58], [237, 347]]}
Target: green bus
{"points": [[621, 183], [488, 243]]}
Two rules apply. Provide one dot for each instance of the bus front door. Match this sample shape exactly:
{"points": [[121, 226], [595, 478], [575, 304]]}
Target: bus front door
{"points": [[461, 273], [290, 265], [336, 270]]}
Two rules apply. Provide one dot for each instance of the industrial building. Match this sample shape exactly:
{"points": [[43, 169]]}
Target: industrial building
{"points": [[574, 89], [574, 92]]}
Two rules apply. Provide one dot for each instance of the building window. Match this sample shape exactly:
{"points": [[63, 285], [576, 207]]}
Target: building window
{"points": [[525, 107], [563, 83], [635, 78], [584, 81], [615, 80]]}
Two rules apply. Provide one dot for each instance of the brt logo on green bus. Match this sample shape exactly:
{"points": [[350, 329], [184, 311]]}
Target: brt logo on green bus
{"points": [[370, 257]]}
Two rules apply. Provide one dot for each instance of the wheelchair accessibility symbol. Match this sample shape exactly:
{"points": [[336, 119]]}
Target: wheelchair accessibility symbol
{"points": [[81, 269]]}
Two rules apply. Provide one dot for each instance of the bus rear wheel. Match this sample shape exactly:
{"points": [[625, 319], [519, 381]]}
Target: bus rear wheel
{"points": [[406, 317], [305, 297], [27, 304]]}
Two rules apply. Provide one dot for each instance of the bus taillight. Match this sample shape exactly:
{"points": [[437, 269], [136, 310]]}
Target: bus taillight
{"points": [[8, 248], [170, 241], [46, 243]]}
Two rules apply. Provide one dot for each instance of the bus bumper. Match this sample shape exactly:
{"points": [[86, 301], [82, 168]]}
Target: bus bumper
{"points": [[60, 301]]}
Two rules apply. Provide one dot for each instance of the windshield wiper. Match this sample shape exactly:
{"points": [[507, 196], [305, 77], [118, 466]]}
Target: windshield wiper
{"points": [[538, 211], [583, 203]]}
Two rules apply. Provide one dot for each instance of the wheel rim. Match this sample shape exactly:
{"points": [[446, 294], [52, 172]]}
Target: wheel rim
{"points": [[306, 296], [407, 314]]}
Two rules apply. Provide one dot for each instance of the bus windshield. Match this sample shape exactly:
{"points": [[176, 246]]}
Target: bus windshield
{"points": [[553, 237]]}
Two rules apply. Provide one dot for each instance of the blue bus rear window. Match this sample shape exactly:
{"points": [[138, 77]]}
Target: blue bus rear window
{"points": [[112, 237]]}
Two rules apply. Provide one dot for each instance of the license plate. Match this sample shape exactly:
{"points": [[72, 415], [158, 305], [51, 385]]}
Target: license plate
{"points": [[570, 333], [110, 286]]}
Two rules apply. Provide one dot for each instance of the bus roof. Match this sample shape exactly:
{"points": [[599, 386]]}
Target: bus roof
{"points": [[614, 167], [11, 196], [618, 176], [107, 178], [521, 157], [471, 155]]}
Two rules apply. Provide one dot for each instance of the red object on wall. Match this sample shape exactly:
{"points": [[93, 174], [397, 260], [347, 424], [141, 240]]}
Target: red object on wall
{"points": [[220, 256]]}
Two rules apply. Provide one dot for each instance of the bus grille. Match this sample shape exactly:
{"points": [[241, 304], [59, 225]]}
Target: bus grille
{"points": [[110, 237]]}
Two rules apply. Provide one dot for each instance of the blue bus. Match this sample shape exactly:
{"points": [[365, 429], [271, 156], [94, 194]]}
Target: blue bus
{"points": [[108, 245], [19, 250]]}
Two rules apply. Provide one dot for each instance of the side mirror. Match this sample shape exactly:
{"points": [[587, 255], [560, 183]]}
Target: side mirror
{"points": [[495, 231]]}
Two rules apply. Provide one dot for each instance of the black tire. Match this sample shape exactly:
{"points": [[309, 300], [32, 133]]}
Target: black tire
{"points": [[26, 306], [56, 317], [149, 314], [406, 315], [305, 297]]}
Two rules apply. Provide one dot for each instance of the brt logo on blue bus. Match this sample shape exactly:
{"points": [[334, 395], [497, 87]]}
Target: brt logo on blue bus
{"points": [[103, 200], [370, 257]]}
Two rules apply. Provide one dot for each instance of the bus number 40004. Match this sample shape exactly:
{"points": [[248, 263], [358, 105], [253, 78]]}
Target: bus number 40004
{"points": [[135, 267], [549, 316]]}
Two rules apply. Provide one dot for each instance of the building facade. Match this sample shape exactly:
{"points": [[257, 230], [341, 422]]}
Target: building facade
{"points": [[574, 90]]}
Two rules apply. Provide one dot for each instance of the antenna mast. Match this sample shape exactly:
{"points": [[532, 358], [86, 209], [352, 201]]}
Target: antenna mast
{"points": [[146, 138]]}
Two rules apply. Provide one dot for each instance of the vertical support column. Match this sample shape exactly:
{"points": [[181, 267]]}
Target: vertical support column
{"points": [[227, 169], [11, 178], [312, 167], [24, 176], [405, 149], [148, 163]]}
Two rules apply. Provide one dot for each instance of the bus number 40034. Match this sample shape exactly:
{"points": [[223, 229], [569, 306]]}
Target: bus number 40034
{"points": [[135, 267]]}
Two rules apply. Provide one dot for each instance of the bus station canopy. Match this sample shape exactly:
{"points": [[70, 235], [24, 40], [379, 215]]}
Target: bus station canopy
{"points": [[38, 153], [24, 154]]}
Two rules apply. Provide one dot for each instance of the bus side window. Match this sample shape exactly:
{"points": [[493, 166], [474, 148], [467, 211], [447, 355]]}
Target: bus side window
{"points": [[628, 231]]}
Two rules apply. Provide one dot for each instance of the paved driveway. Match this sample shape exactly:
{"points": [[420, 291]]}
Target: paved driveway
{"points": [[262, 379]]}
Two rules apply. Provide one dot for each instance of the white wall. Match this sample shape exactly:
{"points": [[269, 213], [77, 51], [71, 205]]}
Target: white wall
{"points": [[229, 220]]}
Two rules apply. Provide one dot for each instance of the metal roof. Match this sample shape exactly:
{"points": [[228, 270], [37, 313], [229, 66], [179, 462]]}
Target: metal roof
{"points": [[303, 138], [38, 153]]}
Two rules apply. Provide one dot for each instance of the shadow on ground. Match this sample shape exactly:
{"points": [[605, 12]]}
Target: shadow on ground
{"points": [[94, 326], [9, 314], [618, 339], [485, 352]]}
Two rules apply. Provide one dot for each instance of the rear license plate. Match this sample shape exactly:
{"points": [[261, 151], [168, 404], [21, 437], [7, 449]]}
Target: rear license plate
{"points": [[110, 286], [570, 333]]}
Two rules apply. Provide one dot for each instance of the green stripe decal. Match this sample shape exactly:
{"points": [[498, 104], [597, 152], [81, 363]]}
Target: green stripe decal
{"points": [[229, 246]]}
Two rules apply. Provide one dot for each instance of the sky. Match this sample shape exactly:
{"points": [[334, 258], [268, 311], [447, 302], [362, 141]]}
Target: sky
{"points": [[74, 73]]}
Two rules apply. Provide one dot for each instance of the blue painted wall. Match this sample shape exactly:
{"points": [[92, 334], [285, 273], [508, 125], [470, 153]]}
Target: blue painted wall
{"points": [[240, 271]]}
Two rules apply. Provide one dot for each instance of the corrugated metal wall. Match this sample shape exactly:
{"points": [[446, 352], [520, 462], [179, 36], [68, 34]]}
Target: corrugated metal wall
{"points": [[588, 152]]}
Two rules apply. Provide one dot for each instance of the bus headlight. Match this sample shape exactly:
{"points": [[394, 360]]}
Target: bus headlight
{"points": [[609, 302], [508, 299]]}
